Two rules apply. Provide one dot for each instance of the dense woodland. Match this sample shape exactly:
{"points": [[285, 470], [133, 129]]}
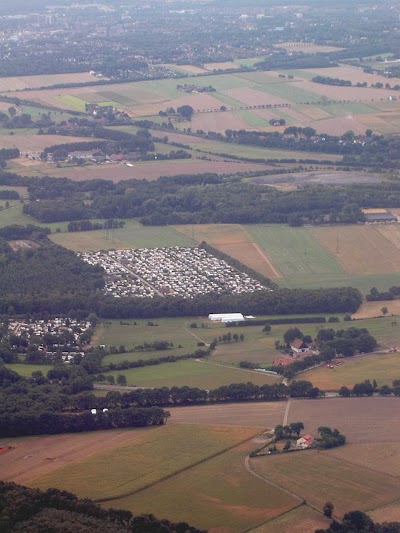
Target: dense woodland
{"points": [[200, 199]]}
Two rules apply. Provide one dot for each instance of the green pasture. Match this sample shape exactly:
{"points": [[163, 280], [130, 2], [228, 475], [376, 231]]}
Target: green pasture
{"points": [[356, 108], [192, 373], [132, 235], [26, 370], [294, 250], [289, 91], [73, 102]]}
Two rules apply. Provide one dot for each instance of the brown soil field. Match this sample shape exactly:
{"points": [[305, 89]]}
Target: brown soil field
{"points": [[191, 69], [314, 112], [233, 240], [263, 414], [317, 477], [374, 456], [354, 74], [33, 82], [338, 125], [220, 66], [388, 513], [391, 232], [23, 245], [360, 249], [347, 93], [218, 122], [253, 97], [303, 519], [151, 170], [36, 456], [35, 142], [362, 420], [373, 309]]}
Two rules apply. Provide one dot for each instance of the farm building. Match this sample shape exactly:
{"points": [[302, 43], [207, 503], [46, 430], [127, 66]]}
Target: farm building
{"points": [[382, 217], [305, 442], [226, 317], [300, 346]]}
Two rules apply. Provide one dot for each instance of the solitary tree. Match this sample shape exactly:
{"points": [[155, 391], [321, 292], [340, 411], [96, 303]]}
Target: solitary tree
{"points": [[121, 379], [328, 509], [266, 328], [385, 311]]}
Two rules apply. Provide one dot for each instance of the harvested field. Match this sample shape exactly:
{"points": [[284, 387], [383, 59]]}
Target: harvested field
{"points": [[303, 519], [233, 240], [383, 368], [32, 142], [190, 69], [388, 513], [329, 479], [374, 309], [152, 456], [260, 414], [337, 126], [360, 249], [309, 48], [46, 80], [218, 121], [374, 456], [33, 457], [253, 97], [360, 419], [391, 232], [354, 74], [219, 495], [152, 170]]}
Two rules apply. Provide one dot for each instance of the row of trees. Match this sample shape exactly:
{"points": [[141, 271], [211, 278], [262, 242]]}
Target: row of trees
{"points": [[26, 510]]}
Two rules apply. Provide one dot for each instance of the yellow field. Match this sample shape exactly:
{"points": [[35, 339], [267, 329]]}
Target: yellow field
{"points": [[128, 468], [360, 249], [374, 309], [383, 368], [233, 240]]}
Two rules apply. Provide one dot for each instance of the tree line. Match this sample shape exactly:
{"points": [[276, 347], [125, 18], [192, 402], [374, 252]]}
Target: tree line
{"points": [[30, 510]]}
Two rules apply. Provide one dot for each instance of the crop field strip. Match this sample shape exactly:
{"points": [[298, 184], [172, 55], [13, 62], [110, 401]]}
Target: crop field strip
{"points": [[156, 455]]}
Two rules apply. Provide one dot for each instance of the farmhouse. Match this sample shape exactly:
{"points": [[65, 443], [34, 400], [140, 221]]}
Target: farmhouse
{"points": [[300, 346], [305, 442]]}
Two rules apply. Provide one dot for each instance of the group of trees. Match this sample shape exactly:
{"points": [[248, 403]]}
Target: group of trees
{"points": [[87, 225], [377, 296], [366, 388], [357, 522], [30, 510]]}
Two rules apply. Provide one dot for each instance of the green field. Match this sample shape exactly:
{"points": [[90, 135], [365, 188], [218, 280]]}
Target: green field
{"points": [[132, 235], [26, 370], [294, 251], [192, 373], [152, 456], [219, 495], [383, 368]]}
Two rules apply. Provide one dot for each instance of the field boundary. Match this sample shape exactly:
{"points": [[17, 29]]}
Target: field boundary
{"points": [[169, 476]]}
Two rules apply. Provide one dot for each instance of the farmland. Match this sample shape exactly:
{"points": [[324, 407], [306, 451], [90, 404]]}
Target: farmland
{"points": [[349, 486], [132, 235], [193, 373], [156, 454], [357, 255], [247, 97], [382, 368], [35, 82]]}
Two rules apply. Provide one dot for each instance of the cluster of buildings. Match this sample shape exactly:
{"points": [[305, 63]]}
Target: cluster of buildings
{"points": [[50, 336], [173, 271]]}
